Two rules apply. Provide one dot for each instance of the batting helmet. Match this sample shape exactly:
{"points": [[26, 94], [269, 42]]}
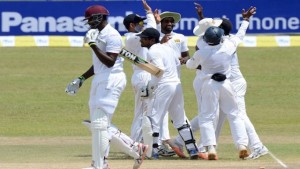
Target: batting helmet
{"points": [[213, 35], [94, 14]]}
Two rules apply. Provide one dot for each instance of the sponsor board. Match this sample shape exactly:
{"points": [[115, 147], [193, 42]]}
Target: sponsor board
{"points": [[77, 41], [65, 18]]}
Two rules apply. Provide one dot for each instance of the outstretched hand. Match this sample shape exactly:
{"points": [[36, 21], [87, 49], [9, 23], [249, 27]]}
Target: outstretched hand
{"points": [[156, 16], [199, 10], [247, 14], [146, 7]]}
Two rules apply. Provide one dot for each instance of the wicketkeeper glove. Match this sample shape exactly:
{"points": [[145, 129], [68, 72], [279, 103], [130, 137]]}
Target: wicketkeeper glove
{"points": [[91, 36], [73, 87]]}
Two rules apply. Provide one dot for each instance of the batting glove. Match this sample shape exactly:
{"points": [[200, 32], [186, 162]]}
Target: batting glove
{"points": [[91, 36], [73, 87]]}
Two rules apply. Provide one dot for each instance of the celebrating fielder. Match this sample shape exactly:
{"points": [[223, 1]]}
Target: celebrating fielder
{"points": [[167, 91], [214, 56]]}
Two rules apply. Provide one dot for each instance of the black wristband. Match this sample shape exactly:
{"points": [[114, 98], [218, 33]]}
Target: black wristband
{"points": [[92, 44], [81, 78]]}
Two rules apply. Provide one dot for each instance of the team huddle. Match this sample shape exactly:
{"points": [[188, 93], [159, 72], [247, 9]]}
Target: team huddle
{"points": [[219, 87]]}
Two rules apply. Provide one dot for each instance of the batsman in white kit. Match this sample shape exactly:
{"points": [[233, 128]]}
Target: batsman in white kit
{"points": [[107, 85], [167, 92]]}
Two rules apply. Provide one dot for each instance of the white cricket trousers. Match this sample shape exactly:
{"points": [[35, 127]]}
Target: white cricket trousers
{"points": [[240, 86], [105, 92], [168, 98], [214, 95], [138, 80]]}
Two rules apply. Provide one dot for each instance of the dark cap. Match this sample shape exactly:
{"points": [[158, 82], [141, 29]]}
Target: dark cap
{"points": [[132, 18], [149, 33]]}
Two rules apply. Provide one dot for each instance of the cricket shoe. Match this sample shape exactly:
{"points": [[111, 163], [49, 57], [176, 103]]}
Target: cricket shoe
{"points": [[155, 155], [258, 152], [193, 154], [243, 152], [165, 150], [105, 165], [212, 153], [177, 148], [142, 150]]}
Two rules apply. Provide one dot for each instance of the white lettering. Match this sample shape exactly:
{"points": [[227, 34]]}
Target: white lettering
{"points": [[282, 21], [30, 24], [44, 21], [80, 26], [268, 23], [294, 23], [10, 19], [64, 24], [41, 24], [189, 22]]}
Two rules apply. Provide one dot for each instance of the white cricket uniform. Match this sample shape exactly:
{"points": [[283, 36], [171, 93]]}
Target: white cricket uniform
{"points": [[108, 83], [212, 95], [139, 78], [239, 86], [168, 87], [106, 88], [181, 46], [168, 96]]}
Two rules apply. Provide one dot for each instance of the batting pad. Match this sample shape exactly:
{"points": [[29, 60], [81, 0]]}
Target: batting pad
{"points": [[100, 137], [147, 134]]}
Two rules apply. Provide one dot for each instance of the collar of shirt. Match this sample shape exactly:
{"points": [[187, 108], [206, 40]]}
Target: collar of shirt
{"points": [[105, 29]]}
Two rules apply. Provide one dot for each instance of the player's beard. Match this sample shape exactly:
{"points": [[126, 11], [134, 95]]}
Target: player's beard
{"points": [[168, 29]]}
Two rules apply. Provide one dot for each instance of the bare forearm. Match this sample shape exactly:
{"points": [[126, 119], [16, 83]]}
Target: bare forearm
{"points": [[103, 57], [88, 73]]}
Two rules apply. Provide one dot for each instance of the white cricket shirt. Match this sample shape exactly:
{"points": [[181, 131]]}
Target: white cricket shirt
{"points": [[108, 40]]}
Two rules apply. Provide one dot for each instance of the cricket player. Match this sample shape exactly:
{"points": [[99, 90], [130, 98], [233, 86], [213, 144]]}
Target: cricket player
{"points": [[167, 91], [107, 85], [215, 89], [135, 24], [141, 127], [166, 22], [239, 85]]}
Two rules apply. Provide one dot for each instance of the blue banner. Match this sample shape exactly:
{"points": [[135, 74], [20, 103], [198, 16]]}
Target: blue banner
{"points": [[65, 18]]}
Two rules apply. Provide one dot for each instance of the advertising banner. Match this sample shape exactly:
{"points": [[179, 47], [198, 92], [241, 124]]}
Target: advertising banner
{"points": [[65, 18]]}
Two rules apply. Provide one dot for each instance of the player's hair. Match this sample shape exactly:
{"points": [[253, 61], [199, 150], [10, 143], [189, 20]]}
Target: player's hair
{"points": [[226, 25]]}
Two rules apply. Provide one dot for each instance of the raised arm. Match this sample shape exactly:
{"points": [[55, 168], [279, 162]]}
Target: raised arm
{"points": [[199, 10], [151, 22], [242, 30]]}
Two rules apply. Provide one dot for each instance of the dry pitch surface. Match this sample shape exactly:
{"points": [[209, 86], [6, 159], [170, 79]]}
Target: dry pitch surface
{"points": [[120, 161]]}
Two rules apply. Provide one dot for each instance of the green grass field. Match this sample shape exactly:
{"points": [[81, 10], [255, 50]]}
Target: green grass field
{"points": [[40, 125]]}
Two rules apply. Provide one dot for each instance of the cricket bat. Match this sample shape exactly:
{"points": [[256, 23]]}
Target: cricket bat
{"points": [[140, 62]]}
